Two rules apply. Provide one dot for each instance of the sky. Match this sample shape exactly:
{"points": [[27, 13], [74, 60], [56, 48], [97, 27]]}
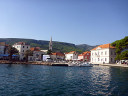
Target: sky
{"points": [[91, 22]]}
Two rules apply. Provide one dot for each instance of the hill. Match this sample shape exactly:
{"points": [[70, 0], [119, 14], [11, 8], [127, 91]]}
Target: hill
{"points": [[85, 47], [57, 46]]}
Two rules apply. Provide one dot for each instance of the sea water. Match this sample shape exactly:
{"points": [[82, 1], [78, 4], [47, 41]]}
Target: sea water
{"points": [[39, 80]]}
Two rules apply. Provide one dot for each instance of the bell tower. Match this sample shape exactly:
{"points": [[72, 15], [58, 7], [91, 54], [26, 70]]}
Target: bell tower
{"points": [[50, 44]]}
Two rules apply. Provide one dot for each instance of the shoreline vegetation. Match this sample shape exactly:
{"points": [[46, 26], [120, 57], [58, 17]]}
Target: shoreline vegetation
{"points": [[50, 63]]}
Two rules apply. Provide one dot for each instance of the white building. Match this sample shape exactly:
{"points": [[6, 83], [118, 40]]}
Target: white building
{"points": [[103, 54], [46, 58], [22, 48], [71, 56]]}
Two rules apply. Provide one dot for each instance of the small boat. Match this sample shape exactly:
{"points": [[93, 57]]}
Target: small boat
{"points": [[73, 64], [86, 64]]}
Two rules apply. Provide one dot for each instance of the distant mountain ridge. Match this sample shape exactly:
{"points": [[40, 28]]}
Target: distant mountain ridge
{"points": [[85, 47], [43, 44]]}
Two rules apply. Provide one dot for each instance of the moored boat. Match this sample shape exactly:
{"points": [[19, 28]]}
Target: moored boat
{"points": [[86, 64], [73, 64], [81, 64]]}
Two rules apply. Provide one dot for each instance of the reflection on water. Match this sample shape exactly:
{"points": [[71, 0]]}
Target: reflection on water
{"points": [[100, 81], [38, 80]]}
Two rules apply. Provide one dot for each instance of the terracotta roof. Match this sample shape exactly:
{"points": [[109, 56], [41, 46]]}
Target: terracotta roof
{"points": [[21, 43], [72, 52], [58, 53], [54, 54], [104, 46], [80, 55], [35, 49], [66, 53], [84, 53]]}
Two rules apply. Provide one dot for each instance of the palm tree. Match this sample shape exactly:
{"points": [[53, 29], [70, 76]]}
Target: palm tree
{"points": [[11, 51], [28, 53]]}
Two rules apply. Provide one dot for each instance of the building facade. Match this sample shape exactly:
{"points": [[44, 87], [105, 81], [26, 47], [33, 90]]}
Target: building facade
{"points": [[71, 55], [85, 56], [37, 54], [57, 56], [103, 54], [22, 47]]}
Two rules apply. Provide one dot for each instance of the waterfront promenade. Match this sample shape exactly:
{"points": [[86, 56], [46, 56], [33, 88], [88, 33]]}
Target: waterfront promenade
{"points": [[34, 63], [115, 65], [50, 63]]}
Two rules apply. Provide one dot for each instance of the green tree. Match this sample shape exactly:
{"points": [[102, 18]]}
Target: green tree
{"points": [[120, 45], [49, 52], [28, 53], [11, 51], [124, 55]]}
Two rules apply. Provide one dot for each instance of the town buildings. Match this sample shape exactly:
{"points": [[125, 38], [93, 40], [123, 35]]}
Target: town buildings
{"points": [[85, 56], [37, 54], [57, 56], [73, 55], [22, 47], [103, 54]]}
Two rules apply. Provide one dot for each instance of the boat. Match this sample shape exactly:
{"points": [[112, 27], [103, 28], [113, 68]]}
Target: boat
{"points": [[73, 64], [80, 64], [86, 64]]}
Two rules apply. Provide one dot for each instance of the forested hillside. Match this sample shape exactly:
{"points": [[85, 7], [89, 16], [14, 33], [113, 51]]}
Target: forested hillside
{"points": [[57, 46]]}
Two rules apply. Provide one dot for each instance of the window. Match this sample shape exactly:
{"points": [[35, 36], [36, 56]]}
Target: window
{"points": [[71, 57], [27, 46], [111, 59], [92, 59], [23, 46], [98, 59], [105, 59], [98, 53], [101, 53], [23, 50], [105, 52], [92, 54]]}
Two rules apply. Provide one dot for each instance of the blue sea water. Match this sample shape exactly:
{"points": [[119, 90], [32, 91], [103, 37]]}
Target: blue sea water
{"points": [[39, 80]]}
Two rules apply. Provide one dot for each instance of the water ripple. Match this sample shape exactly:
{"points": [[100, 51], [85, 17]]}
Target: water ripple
{"points": [[37, 80]]}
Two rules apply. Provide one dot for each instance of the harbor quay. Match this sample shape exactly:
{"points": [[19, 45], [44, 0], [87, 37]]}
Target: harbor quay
{"points": [[56, 63], [34, 63]]}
